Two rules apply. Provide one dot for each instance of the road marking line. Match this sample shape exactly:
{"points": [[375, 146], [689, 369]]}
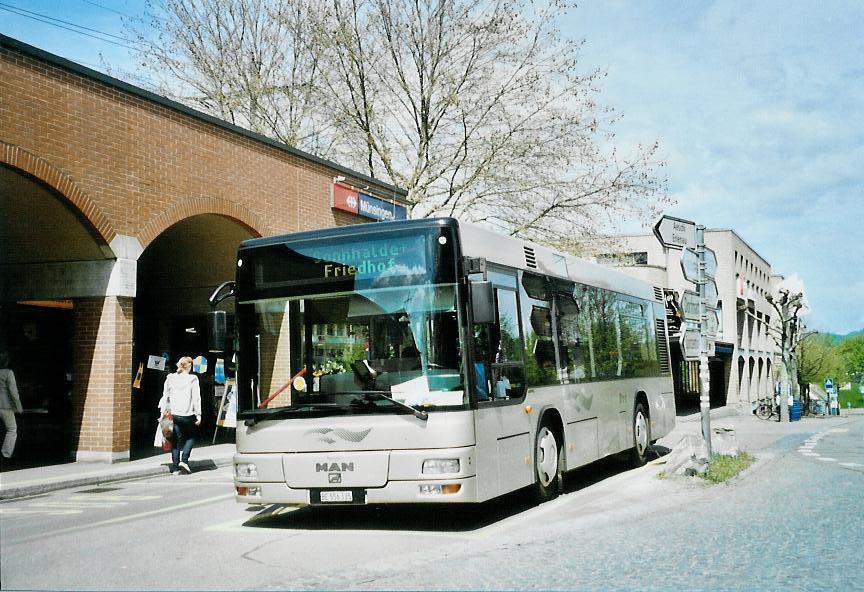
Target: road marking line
{"points": [[810, 454], [851, 464], [131, 517], [828, 459], [838, 430], [113, 498], [12, 512], [78, 504]]}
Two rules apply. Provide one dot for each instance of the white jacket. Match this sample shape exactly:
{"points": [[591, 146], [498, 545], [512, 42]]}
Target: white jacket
{"points": [[182, 395]]}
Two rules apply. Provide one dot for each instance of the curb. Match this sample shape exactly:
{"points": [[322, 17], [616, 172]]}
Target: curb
{"points": [[49, 485]]}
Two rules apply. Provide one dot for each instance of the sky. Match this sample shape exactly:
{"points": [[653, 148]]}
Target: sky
{"points": [[758, 108]]}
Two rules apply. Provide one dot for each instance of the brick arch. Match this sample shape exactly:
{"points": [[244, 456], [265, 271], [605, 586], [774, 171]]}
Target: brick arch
{"points": [[202, 205], [39, 168]]}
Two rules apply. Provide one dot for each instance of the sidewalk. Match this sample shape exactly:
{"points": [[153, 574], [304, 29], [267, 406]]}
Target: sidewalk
{"points": [[753, 434], [38, 480]]}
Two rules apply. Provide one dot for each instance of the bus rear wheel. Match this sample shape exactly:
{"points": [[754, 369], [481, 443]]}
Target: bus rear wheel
{"points": [[641, 435], [548, 464]]}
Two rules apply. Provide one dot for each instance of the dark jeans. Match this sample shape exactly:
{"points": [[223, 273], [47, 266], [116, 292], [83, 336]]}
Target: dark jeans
{"points": [[184, 438]]}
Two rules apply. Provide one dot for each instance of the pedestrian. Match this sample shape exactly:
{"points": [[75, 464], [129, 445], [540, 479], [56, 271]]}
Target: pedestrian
{"points": [[10, 404], [181, 397]]}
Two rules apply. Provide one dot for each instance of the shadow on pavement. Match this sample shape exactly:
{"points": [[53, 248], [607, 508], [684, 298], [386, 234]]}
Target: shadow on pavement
{"points": [[433, 518]]}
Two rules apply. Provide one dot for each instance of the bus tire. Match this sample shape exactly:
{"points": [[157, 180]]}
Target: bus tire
{"points": [[548, 464], [641, 428]]}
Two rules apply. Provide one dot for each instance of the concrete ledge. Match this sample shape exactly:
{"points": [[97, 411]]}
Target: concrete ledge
{"points": [[93, 456]]}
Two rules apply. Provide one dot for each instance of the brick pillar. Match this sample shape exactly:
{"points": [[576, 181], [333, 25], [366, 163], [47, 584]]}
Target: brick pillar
{"points": [[101, 395]]}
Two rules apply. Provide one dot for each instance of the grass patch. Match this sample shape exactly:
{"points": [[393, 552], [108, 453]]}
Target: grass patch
{"points": [[722, 468]]}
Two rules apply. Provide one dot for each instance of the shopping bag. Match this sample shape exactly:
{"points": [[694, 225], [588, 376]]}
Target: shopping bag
{"points": [[160, 441]]}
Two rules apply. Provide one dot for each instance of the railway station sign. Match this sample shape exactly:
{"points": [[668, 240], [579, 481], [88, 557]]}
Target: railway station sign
{"points": [[675, 233], [350, 200]]}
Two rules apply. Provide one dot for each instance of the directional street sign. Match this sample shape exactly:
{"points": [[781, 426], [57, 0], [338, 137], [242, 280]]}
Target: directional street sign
{"points": [[690, 305], [712, 322], [710, 262], [711, 296], [675, 233], [690, 265], [691, 344]]}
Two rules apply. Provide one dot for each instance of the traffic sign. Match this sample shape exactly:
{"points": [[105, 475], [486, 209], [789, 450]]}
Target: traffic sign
{"points": [[675, 233], [691, 344], [690, 265], [711, 296], [712, 322], [690, 305], [710, 262]]}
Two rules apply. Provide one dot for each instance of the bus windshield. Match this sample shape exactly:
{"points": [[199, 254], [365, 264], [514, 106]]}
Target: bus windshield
{"points": [[392, 336]]}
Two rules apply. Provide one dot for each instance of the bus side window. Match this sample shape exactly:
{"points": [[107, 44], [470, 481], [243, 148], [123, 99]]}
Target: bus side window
{"points": [[569, 338]]}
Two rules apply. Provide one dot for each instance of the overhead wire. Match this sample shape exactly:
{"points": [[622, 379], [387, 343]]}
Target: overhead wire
{"points": [[60, 23]]}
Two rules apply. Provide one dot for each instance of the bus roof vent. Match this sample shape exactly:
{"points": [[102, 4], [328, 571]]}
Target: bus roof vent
{"points": [[658, 294], [530, 257], [662, 345]]}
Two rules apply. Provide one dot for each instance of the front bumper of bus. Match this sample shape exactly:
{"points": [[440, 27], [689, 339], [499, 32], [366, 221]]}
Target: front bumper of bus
{"points": [[261, 479]]}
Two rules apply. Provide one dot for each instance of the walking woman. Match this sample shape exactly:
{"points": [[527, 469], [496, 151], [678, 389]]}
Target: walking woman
{"points": [[181, 396], [10, 404]]}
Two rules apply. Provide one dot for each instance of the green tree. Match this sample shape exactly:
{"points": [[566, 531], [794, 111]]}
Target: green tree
{"points": [[818, 359], [851, 350]]}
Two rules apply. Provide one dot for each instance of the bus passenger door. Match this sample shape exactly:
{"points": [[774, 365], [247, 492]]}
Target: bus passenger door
{"points": [[502, 427]]}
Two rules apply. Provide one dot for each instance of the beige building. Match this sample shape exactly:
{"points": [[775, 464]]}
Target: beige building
{"points": [[742, 368]]}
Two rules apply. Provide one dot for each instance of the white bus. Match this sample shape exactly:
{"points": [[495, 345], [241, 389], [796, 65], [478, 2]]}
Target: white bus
{"points": [[430, 361]]}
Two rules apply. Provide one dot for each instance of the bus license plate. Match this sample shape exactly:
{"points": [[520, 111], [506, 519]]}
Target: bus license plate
{"points": [[337, 496]]}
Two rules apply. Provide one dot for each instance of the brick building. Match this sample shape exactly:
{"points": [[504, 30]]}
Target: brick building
{"points": [[120, 211]]}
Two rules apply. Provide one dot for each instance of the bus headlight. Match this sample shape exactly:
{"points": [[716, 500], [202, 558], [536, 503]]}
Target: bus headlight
{"points": [[440, 466], [246, 471]]}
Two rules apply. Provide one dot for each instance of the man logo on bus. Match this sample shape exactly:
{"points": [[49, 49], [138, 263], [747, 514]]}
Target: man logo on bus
{"points": [[334, 467]]}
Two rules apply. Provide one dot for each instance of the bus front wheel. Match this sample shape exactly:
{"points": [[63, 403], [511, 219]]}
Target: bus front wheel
{"points": [[641, 435], [548, 464]]}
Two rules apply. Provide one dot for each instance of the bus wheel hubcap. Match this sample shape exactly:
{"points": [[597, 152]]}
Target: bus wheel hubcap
{"points": [[641, 427]]}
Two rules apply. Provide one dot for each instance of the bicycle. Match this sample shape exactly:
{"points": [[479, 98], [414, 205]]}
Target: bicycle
{"points": [[766, 409]]}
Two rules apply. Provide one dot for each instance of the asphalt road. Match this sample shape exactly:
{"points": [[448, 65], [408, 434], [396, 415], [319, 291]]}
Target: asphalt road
{"points": [[791, 522]]}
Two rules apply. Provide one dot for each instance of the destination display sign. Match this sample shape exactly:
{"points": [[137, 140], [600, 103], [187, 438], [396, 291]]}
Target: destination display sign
{"points": [[358, 261]]}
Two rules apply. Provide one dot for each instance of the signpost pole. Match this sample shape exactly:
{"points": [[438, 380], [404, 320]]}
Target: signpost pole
{"points": [[704, 375]]}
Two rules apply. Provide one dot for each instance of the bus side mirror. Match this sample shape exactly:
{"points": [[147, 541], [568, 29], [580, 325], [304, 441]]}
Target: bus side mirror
{"points": [[482, 302], [217, 330]]}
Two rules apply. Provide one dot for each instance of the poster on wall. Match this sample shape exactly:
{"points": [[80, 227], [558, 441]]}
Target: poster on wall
{"points": [[156, 363], [227, 416]]}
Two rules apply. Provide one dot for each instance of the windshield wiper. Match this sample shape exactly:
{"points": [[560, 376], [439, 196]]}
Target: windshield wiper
{"points": [[253, 416], [382, 396]]}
